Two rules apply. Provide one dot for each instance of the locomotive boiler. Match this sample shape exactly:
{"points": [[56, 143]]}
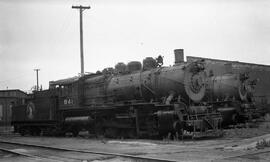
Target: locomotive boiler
{"points": [[185, 81]]}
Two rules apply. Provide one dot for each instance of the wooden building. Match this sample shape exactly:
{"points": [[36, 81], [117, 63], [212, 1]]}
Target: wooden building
{"points": [[8, 99]]}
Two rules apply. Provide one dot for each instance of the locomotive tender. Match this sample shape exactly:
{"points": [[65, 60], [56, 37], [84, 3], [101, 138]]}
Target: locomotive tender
{"points": [[132, 101]]}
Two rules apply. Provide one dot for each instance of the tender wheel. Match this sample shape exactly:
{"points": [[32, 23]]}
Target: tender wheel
{"points": [[61, 134], [130, 133], [37, 132], [75, 133], [235, 119], [112, 133], [22, 132]]}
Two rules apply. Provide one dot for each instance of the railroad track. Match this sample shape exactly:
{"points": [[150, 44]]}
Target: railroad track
{"points": [[44, 153], [243, 155], [28, 156]]}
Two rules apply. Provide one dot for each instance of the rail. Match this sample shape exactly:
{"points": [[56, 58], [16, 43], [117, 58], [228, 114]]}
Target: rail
{"points": [[134, 157]]}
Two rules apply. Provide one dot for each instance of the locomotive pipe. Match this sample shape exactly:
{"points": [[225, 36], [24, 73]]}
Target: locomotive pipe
{"points": [[169, 98], [78, 120]]}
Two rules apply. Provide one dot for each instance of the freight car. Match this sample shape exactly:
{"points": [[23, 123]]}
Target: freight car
{"points": [[131, 101]]}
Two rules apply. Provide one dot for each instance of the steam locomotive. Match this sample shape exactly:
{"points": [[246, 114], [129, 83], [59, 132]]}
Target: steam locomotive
{"points": [[232, 95], [137, 101]]}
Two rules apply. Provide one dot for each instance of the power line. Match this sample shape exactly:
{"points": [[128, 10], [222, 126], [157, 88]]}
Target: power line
{"points": [[19, 76], [81, 9], [37, 78]]}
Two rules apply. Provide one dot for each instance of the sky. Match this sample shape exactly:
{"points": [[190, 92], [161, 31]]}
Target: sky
{"points": [[45, 35]]}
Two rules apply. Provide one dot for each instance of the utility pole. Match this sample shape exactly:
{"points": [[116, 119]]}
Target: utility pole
{"points": [[81, 9], [37, 77]]}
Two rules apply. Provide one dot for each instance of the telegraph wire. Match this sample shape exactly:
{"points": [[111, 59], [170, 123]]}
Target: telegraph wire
{"points": [[19, 76]]}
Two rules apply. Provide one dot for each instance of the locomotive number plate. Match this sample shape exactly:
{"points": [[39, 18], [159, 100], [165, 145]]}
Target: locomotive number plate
{"points": [[68, 101]]}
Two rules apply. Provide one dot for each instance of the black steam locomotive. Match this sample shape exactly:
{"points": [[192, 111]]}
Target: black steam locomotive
{"points": [[137, 101]]}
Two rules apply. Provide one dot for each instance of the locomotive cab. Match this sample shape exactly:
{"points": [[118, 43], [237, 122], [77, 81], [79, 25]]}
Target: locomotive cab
{"points": [[68, 90]]}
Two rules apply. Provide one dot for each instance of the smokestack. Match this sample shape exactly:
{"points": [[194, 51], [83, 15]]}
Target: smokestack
{"points": [[179, 56]]}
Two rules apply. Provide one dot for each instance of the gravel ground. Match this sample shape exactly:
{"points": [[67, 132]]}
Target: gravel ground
{"points": [[234, 146]]}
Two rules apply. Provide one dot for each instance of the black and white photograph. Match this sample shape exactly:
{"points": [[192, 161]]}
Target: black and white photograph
{"points": [[134, 80]]}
